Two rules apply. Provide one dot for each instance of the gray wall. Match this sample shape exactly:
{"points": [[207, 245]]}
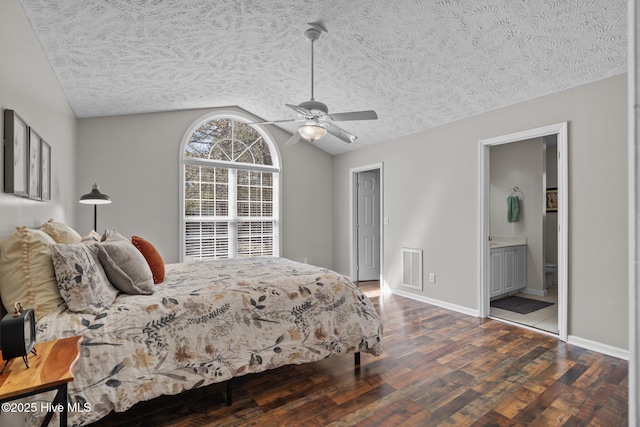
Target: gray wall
{"points": [[134, 159], [29, 86], [431, 200]]}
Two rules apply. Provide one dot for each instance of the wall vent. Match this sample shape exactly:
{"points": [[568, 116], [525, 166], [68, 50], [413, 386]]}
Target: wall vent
{"points": [[412, 268]]}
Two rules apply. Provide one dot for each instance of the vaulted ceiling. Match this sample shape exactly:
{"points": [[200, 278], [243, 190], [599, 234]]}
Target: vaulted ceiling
{"points": [[418, 63]]}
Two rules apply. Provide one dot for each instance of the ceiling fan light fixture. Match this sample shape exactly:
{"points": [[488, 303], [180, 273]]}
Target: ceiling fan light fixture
{"points": [[312, 132], [315, 114]]}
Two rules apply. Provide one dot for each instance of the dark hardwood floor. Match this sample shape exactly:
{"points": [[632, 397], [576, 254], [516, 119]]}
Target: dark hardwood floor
{"points": [[439, 368]]}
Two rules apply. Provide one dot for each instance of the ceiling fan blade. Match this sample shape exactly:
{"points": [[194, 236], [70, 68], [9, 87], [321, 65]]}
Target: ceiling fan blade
{"points": [[300, 110], [276, 121], [354, 115], [293, 140], [339, 133]]}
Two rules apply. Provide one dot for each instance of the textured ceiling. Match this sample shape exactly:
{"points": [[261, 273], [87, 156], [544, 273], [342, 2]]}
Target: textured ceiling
{"points": [[418, 63]]}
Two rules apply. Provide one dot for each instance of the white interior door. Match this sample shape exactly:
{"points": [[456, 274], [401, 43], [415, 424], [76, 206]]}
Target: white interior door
{"points": [[368, 225]]}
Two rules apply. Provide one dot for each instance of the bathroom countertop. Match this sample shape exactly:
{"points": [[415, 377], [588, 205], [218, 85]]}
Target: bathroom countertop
{"points": [[496, 245], [506, 241]]}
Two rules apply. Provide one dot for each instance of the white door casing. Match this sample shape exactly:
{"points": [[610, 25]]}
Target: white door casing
{"points": [[561, 130]]}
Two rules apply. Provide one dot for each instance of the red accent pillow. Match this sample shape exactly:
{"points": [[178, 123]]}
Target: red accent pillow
{"points": [[152, 256]]}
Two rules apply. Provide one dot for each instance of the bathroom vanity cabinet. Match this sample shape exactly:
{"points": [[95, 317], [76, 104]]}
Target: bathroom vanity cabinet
{"points": [[508, 269]]}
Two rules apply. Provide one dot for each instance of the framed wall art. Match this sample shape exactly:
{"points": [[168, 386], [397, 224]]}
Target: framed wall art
{"points": [[552, 200], [45, 170], [16, 154], [34, 165]]}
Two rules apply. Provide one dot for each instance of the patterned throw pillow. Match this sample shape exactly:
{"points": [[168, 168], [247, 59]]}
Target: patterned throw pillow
{"points": [[81, 279]]}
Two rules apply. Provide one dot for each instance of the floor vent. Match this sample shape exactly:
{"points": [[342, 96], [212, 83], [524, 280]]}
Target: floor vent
{"points": [[412, 268]]}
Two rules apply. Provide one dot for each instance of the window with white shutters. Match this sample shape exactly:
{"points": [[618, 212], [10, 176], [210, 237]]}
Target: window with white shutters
{"points": [[230, 192]]}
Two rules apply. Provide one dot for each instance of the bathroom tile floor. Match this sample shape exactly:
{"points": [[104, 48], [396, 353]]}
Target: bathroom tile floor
{"points": [[545, 319]]}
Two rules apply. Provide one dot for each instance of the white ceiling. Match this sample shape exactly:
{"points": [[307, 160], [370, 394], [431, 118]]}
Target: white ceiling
{"points": [[418, 63]]}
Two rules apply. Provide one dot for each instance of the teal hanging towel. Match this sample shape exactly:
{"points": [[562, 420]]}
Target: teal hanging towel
{"points": [[513, 209]]}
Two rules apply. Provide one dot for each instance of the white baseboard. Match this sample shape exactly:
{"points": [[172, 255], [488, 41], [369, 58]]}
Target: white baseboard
{"points": [[609, 350], [438, 303], [536, 292]]}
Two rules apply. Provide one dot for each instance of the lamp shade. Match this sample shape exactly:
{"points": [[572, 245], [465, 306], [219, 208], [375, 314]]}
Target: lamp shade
{"points": [[312, 132], [95, 197]]}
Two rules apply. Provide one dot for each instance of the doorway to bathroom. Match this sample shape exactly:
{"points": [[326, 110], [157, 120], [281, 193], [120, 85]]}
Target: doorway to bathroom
{"points": [[523, 228]]}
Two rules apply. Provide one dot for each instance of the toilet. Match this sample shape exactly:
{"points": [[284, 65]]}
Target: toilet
{"points": [[550, 273]]}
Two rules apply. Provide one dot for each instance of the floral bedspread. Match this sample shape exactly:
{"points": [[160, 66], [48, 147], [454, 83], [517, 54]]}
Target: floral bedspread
{"points": [[208, 322]]}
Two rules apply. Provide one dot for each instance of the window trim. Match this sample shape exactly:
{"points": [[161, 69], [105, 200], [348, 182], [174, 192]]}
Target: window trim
{"points": [[275, 168]]}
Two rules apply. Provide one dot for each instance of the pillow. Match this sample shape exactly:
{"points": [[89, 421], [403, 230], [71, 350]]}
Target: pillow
{"points": [[26, 272], [61, 233], [112, 236], [152, 256], [92, 237], [82, 281], [126, 267]]}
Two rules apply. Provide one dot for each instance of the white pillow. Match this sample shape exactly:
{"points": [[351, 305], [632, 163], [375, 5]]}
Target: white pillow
{"points": [[60, 232], [92, 237]]}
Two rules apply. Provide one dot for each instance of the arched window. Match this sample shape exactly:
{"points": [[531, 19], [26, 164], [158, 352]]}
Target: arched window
{"points": [[230, 183]]}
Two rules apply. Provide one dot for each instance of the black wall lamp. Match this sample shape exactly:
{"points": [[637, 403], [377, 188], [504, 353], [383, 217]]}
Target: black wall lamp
{"points": [[95, 198]]}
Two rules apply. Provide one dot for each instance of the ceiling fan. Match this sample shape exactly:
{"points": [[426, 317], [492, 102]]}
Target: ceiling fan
{"points": [[315, 114]]}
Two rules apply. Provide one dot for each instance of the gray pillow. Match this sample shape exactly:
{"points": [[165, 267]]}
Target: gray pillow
{"points": [[126, 267], [113, 236]]}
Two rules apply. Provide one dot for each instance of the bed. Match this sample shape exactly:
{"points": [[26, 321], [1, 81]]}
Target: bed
{"points": [[207, 322]]}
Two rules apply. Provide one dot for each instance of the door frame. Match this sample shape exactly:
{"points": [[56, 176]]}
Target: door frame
{"points": [[633, 100], [353, 218], [561, 130]]}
